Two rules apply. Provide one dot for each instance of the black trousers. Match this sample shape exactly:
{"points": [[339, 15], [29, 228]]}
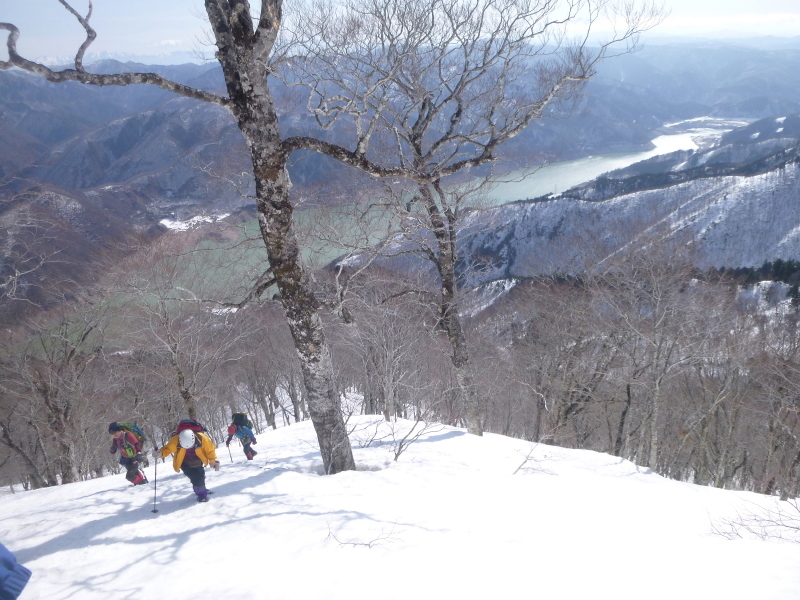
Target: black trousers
{"points": [[197, 475], [248, 451], [131, 465]]}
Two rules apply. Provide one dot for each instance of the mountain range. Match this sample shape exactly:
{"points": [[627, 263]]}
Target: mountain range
{"points": [[735, 204], [105, 163]]}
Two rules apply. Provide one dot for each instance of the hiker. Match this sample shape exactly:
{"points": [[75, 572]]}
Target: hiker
{"points": [[130, 456], [13, 576], [193, 451], [245, 435]]}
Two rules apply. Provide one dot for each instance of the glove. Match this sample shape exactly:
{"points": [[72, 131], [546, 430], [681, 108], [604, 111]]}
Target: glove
{"points": [[228, 443], [157, 453], [254, 442], [216, 465]]}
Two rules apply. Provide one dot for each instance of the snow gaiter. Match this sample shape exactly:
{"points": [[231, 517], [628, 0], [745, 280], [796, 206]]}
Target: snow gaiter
{"points": [[202, 492]]}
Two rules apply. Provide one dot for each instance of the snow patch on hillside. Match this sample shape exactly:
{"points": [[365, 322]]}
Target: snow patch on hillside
{"points": [[191, 223], [481, 298]]}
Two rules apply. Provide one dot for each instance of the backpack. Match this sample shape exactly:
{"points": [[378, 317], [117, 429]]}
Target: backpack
{"points": [[134, 429], [127, 448], [189, 424], [241, 420]]}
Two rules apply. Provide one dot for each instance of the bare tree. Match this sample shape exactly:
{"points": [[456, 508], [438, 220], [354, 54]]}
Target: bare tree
{"points": [[178, 321], [653, 304], [772, 420], [30, 247], [433, 88], [386, 344], [49, 386]]}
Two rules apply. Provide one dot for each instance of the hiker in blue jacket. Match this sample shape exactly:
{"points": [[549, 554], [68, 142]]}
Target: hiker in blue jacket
{"points": [[246, 437], [13, 576]]}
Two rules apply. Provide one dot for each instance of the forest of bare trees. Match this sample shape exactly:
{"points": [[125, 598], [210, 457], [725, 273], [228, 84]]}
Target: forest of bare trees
{"points": [[688, 373], [642, 357], [426, 89]]}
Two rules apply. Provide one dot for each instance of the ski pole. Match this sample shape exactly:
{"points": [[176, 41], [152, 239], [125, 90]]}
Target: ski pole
{"points": [[229, 453], [155, 486]]}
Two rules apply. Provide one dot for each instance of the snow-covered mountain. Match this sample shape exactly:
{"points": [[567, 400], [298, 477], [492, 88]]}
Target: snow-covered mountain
{"points": [[456, 516], [736, 204]]}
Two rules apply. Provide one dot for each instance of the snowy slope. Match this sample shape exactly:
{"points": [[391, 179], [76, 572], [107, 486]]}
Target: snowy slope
{"points": [[732, 221], [456, 517], [736, 203]]}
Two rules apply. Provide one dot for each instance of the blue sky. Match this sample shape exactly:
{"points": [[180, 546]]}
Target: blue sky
{"points": [[152, 27], [128, 26]]}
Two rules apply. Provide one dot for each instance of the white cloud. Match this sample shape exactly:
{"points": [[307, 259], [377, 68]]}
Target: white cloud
{"points": [[754, 24], [172, 43]]}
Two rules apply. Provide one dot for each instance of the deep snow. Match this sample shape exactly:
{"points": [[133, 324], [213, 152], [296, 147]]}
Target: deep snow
{"points": [[456, 516]]}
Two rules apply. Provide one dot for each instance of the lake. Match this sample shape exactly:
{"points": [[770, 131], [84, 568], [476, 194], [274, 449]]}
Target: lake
{"points": [[558, 177]]}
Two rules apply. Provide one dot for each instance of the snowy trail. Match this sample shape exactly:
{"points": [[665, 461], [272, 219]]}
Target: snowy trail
{"points": [[457, 516]]}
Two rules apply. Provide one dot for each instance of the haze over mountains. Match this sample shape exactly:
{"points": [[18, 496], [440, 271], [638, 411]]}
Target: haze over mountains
{"points": [[104, 163]]}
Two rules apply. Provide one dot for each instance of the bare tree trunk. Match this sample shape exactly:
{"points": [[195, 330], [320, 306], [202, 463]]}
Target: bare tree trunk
{"points": [[243, 58], [618, 444], [723, 471], [371, 402], [269, 404], [302, 310], [444, 229], [188, 399], [298, 405], [38, 480], [58, 417], [654, 417]]}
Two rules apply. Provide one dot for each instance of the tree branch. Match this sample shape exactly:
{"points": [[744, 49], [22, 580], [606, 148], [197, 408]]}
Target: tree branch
{"points": [[80, 75]]}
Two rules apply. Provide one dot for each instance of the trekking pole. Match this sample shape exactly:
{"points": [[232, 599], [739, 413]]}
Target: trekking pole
{"points": [[155, 486], [229, 453]]}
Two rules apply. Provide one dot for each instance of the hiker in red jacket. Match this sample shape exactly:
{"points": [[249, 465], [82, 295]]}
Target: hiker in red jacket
{"points": [[129, 453]]}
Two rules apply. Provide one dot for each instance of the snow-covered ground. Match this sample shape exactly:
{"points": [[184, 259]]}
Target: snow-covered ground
{"points": [[456, 517]]}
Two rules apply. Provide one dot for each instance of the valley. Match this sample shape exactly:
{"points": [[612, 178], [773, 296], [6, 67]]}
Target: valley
{"points": [[132, 213], [458, 266]]}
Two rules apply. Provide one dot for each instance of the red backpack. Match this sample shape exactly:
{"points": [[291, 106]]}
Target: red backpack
{"points": [[184, 424]]}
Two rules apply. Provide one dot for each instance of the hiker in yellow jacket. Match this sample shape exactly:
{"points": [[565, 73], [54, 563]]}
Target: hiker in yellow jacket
{"points": [[193, 451]]}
